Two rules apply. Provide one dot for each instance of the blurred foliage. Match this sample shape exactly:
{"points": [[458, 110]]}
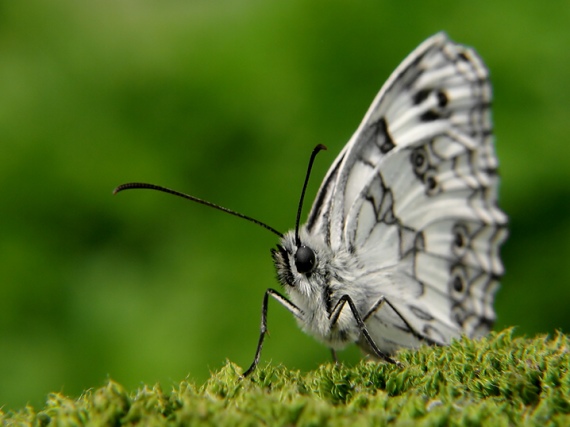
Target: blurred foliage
{"points": [[225, 100]]}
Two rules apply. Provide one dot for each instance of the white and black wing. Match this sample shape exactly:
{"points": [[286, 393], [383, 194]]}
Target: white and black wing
{"points": [[414, 194]]}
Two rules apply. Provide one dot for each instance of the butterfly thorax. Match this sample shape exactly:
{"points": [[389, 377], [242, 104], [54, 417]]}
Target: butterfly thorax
{"points": [[317, 292]]}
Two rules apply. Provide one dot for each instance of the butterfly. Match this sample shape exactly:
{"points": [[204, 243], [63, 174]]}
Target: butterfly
{"points": [[401, 245]]}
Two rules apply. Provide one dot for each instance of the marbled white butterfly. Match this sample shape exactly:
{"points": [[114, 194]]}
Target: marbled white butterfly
{"points": [[401, 246]]}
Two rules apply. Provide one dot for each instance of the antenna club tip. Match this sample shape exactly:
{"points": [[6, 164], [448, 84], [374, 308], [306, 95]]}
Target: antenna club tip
{"points": [[321, 147], [118, 189], [127, 187], [134, 185]]}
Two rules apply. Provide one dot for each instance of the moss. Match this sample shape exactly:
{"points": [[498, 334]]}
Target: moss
{"points": [[500, 380]]}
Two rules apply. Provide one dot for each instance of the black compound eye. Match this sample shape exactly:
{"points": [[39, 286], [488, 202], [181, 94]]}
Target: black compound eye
{"points": [[304, 259]]}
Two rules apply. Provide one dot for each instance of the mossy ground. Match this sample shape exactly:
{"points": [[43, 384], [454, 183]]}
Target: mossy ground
{"points": [[500, 380]]}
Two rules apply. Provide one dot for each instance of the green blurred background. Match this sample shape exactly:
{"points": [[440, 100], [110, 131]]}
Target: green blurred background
{"points": [[225, 100]]}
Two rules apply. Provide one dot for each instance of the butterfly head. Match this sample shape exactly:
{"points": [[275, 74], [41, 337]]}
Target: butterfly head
{"points": [[300, 266]]}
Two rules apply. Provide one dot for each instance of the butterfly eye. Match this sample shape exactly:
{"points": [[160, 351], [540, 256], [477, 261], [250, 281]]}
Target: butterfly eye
{"points": [[304, 259]]}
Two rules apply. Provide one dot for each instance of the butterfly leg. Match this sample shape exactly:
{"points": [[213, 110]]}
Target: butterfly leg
{"points": [[335, 314], [380, 303], [296, 311], [334, 357]]}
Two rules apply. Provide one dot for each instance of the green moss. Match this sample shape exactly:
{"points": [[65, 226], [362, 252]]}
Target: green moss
{"points": [[500, 380]]}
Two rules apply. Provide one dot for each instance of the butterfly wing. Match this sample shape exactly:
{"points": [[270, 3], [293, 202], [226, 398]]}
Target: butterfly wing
{"points": [[413, 196]]}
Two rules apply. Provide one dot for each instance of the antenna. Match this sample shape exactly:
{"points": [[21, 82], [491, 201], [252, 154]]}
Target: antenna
{"points": [[311, 160], [142, 185]]}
